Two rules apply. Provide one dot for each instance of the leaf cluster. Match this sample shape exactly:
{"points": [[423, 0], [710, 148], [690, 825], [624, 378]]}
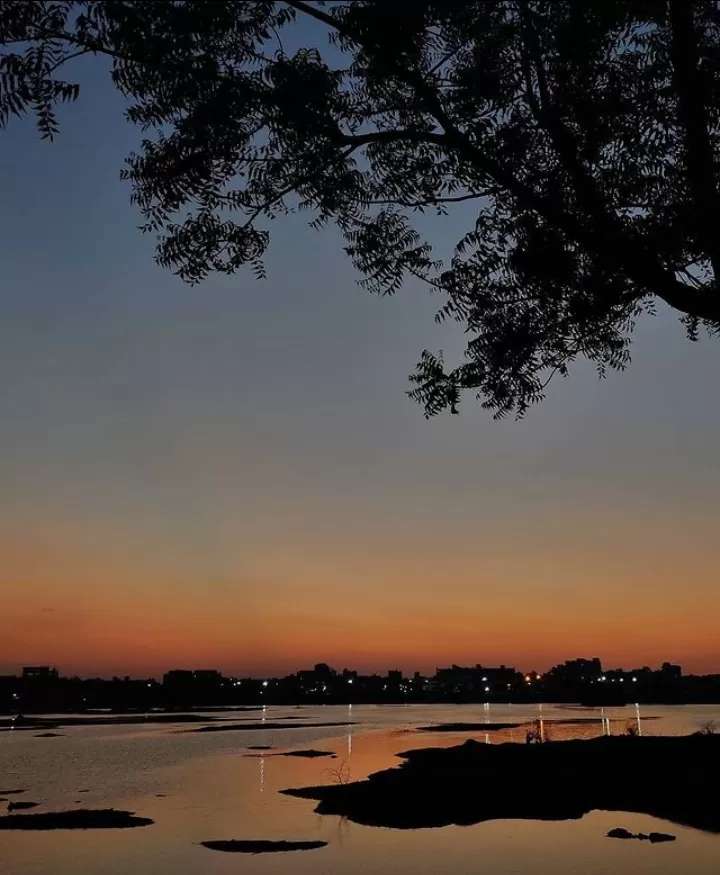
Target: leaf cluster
{"points": [[578, 141]]}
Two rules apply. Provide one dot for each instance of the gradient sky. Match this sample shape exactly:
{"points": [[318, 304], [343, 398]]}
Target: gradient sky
{"points": [[231, 476]]}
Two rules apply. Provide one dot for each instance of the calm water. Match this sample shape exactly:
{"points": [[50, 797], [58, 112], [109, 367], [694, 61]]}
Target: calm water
{"points": [[214, 790]]}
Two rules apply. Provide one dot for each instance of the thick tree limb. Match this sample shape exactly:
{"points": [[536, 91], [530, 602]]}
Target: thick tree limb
{"points": [[602, 238], [699, 158]]}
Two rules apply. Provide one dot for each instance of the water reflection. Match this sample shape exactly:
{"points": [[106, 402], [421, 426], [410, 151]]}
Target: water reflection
{"points": [[606, 725], [349, 742], [214, 791]]}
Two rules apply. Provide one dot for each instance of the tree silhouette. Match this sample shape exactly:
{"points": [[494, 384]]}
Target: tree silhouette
{"points": [[577, 140]]}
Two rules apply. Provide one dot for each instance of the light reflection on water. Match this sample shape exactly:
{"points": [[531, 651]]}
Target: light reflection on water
{"points": [[214, 791]]}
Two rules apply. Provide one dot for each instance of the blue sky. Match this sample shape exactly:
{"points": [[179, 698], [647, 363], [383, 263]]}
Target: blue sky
{"points": [[245, 444]]}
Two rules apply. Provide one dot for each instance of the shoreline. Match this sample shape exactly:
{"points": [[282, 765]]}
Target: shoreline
{"points": [[669, 777]]}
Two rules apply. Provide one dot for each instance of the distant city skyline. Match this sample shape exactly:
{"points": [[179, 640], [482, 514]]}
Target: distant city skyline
{"points": [[44, 689], [339, 667]]}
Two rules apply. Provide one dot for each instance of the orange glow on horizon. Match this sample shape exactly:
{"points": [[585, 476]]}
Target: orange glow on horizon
{"points": [[98, 604]]}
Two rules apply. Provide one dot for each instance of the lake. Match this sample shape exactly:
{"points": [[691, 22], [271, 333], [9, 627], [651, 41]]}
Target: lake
{"points": [[211, 786]]}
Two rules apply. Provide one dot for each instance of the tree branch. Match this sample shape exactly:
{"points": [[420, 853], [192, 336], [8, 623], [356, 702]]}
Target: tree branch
{"points": [[699, 158], [294, 185], [87, 46], [319, 15], [430, 202], [606, 239], [563, 141], [70, 57], [412, 136], [446, 58]]}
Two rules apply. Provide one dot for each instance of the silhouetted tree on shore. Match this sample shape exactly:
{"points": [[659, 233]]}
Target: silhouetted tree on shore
{"points": [[577, 141]]}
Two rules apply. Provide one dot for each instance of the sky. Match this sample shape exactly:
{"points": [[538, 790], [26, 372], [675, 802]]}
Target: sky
{"points": [[231, 476]]}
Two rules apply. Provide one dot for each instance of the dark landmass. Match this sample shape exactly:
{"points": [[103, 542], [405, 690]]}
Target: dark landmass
{"points": [[259, 747], [107, 818], [666, 777], [307, 754], [50, 735], [578, 721], [22, 806], [469, 727], [261, 847], [12, 792], [491, 727], [652, 837], [34, 723], [230, 727]]}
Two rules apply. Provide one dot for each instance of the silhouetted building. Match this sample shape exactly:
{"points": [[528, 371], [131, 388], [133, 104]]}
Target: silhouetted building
{"points": [[199, 687], [39, 673], [671, 672], [576, 671], [41, 689], [318, 680], [177, 677], [463, 679], [208, 676]]}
